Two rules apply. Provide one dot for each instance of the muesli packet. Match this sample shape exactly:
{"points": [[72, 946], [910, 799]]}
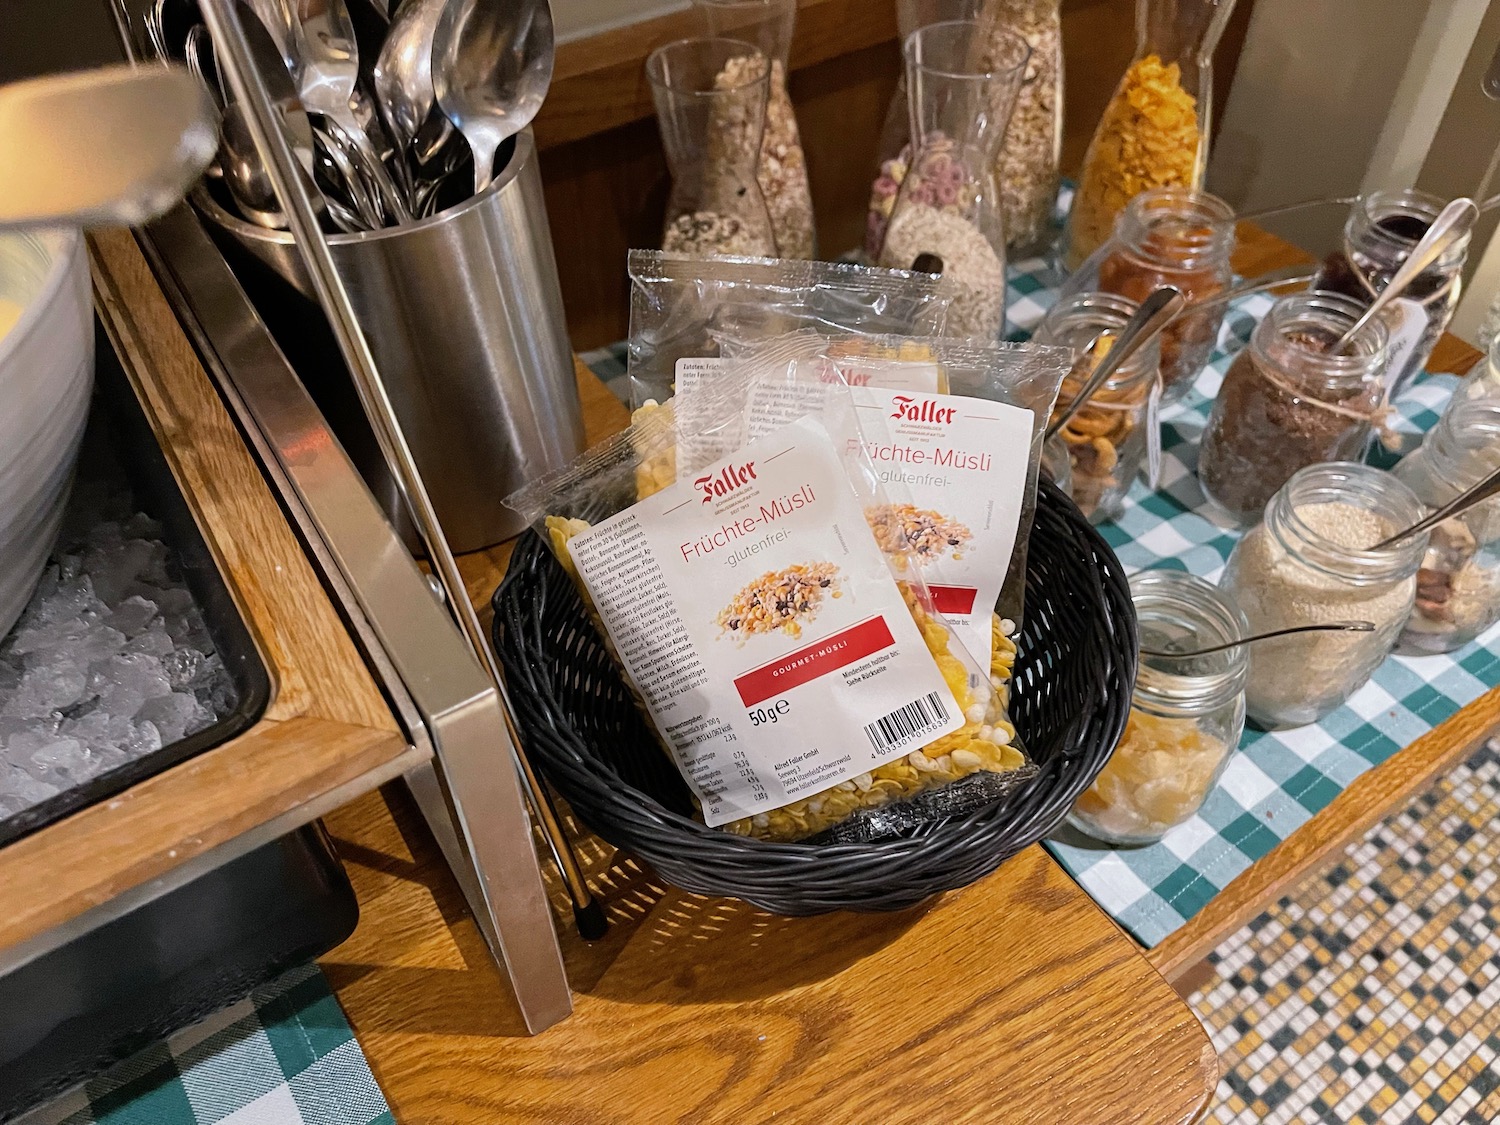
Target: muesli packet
{"points": [[677, 304], [1024, 376], [908, 754]]}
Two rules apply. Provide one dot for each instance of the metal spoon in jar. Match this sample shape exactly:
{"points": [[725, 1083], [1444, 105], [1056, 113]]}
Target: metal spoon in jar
{"points": [[1475, 494], [1327, 627], [1149, 319], [1271, 279], [1453, 222]]}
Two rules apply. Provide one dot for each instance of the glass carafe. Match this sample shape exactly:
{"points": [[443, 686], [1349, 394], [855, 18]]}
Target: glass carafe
{"points": [[710, 99], [1027, 166], [782, 171], [1154, 132], [960, 93]]}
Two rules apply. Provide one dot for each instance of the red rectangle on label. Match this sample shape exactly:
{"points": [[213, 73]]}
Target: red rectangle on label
{"points": [[828, 655], [953, 599]]}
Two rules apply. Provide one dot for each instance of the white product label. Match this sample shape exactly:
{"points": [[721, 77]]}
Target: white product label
{"points": [[954, 469], [1405, 323], [760, 624], [703, 435]]}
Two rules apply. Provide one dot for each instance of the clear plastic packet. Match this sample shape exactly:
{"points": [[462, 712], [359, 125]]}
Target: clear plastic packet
{"points": [[813, 588], [1026, 376], [677, 304]]}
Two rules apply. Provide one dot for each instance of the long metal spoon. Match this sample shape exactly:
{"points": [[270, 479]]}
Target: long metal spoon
{"points": [[1471, 496], [1326, 627], [403, 71], [115, 146], [491, 66], [1271, 279], [1455, 221], [327, 61], [1149, 319]]}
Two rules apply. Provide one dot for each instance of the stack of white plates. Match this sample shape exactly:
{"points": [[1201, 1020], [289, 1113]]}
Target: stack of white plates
{"points": [[46, 375]]}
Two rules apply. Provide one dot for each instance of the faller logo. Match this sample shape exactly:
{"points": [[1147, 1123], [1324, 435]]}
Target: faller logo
{"points": [[910, 409], [725, 481]]}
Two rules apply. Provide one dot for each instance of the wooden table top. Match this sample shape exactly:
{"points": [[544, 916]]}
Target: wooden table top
{"points": [[982, 1006]]}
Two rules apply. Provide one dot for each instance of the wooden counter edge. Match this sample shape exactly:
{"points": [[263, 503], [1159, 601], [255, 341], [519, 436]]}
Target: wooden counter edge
{"points": [[327, 725], [1371, 797]]}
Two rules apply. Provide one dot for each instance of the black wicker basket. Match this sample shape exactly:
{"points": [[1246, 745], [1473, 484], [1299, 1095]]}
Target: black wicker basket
{"points": [[1072, 693]]}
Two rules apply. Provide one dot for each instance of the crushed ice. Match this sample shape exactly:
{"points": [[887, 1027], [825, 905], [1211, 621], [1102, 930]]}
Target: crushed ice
{"points": [[111, 660]]}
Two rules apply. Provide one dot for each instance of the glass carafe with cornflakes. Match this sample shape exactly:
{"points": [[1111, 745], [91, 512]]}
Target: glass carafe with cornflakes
{"points": [[1154, 132]]}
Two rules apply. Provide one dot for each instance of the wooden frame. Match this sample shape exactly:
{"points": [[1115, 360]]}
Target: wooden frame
{"points": [[326, 734]]}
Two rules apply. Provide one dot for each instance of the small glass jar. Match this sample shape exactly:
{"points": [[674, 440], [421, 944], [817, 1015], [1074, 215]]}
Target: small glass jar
{"points": [[1458, 584], [1286, 403], [782, 170], [949, 204], [1186, 713], [710, 97], [1382, 229], [1107, 439], [1154, 131], [1176, 237], [1309, 563]]}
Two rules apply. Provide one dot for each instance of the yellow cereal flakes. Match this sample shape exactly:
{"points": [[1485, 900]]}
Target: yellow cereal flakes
{"points": [[1147, 138], [984, 742]]}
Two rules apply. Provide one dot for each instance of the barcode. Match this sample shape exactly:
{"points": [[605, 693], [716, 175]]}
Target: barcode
{"points": [[918, 717]]}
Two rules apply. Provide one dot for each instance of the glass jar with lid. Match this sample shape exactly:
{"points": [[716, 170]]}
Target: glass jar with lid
{"points": [[1286, 403], [1154, 131], [710, 96], [1177, 237], [1311, 562], [1186, 713], [1382, 229], [1458, 584], [1107, 440]]}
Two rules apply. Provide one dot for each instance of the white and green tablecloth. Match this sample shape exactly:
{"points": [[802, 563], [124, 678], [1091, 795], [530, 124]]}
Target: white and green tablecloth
{"points": [[1277, 781], [284, 1055]]}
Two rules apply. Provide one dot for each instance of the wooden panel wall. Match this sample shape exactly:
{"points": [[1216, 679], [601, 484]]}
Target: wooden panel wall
{"points": [[606, 179]]}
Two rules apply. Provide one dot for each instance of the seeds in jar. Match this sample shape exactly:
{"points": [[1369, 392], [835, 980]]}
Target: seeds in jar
{"points": [[969, 262], [1147, 137], [1263, 429], [1276, 589], [1156, 778]]}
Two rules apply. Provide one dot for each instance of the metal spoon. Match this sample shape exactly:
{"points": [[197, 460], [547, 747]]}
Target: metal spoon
{"points": [[245, 174], [491, 66], [403, 70], [1455, 221], [115, 146], [336, 149], [1327, 627], [327, 70], [1471, 496], [1149, 319]]}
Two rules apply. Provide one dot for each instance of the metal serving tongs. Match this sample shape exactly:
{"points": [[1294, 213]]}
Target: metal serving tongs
{"points": [[1149, 319], [249, 89]]}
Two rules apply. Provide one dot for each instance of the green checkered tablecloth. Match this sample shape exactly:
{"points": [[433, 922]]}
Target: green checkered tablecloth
{"points": [[285, 1055], [1277, 781]]}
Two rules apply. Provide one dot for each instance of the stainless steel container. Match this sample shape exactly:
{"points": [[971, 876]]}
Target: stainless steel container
{"points": [[464, 314]]}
